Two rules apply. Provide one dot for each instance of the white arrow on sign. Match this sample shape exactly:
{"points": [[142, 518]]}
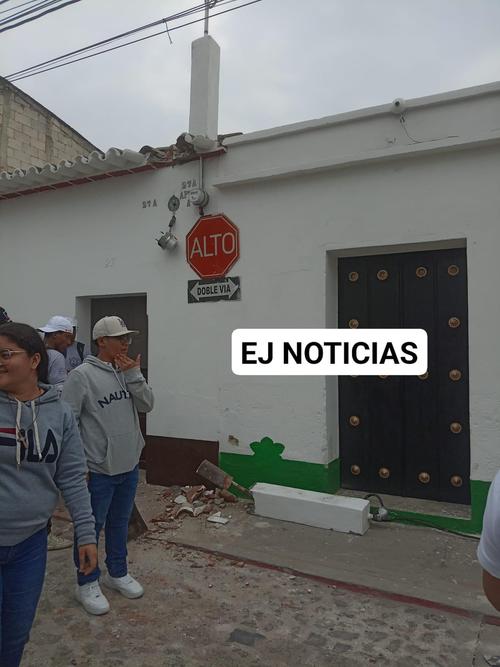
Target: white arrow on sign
{"points": [[201, 291]]}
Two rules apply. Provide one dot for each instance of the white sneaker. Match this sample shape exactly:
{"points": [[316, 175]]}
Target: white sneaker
{"points": [[127, 585], [92, 598]]}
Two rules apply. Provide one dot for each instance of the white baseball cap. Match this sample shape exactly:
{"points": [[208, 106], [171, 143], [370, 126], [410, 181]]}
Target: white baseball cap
{"points": [[112, 325], [58, 323]]}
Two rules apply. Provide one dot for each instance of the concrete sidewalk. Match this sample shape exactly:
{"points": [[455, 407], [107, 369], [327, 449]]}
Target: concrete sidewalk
{"points": [[428, 565]]}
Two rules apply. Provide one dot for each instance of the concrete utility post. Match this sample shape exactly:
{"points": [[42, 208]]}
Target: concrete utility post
{"points": [[205, 66]]}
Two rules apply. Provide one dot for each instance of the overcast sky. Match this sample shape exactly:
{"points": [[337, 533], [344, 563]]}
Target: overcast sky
{"points": [[282, 61]]}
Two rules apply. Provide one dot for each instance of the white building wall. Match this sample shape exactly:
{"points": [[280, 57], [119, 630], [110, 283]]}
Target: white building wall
{"points": [[98, 240]]}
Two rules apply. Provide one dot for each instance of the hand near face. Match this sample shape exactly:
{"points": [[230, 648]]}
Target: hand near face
{"points": [[87, 554], [125, 363]]}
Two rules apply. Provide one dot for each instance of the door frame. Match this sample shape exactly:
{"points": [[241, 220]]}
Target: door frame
{"points": [[331, 321]]}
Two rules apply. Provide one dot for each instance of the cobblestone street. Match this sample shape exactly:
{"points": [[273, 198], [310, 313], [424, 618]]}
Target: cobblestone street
{"points": [[204, 610]]}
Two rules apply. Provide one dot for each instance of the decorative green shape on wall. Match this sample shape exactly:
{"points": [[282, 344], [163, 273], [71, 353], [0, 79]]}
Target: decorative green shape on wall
{"points": [[267, 465], [267, 449]]}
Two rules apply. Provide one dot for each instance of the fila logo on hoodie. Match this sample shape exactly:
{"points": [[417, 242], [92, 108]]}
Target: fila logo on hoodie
{"points": [[50, 451]]}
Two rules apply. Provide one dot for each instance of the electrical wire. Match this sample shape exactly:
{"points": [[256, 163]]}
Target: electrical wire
{"points": [[38, 16], [17, 76], [23, 4], [122, 35], [402, 120], [420, 522], [28, 13], [38, 4], [390, 515]]}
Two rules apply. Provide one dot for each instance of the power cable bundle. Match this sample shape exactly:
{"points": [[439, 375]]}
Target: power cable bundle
{"points": [[97, 49], [37, 9]]}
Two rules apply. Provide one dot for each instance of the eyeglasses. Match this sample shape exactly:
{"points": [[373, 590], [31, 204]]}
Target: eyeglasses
{"points": [[122, 339], [6, 355]]}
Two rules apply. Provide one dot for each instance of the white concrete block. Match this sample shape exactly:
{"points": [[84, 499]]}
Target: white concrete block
{"points": [[347, 515]]}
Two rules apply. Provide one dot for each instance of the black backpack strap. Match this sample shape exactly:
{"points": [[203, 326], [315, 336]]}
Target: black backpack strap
{"points": [[81, 349]]}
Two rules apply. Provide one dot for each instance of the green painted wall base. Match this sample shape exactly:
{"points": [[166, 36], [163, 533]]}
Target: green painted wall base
{"points": [[266, 465], [474, 525]]}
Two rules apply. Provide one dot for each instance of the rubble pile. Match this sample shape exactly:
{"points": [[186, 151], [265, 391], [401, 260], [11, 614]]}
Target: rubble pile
{"points": [[195, 501]]}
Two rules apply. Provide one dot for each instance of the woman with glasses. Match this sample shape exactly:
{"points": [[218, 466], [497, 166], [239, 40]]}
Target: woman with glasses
{"points": [[106, 392], [41, 455]]}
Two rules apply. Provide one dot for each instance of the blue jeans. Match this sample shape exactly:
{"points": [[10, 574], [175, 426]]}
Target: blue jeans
{"points": [[112, 498], [22, 571]]}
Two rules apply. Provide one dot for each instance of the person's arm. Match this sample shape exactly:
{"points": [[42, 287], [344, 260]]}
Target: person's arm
{"points": [[74, 392], [488, 552], [70, 480], [57, 369], [141, 392], [491, 587]]}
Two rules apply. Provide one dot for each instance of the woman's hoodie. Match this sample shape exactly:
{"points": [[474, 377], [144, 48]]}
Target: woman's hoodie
{"points": [[105, 402], [41, 454]]}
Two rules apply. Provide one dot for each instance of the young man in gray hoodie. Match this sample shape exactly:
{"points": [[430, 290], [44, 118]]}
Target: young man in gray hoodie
{"points": [[106, 392]]}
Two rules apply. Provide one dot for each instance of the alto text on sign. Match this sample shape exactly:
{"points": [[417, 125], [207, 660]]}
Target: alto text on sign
{"points": [[212, 246]]}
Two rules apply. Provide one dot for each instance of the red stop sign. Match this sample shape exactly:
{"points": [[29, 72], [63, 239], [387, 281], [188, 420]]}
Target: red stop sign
{"points": [[212, 246]]}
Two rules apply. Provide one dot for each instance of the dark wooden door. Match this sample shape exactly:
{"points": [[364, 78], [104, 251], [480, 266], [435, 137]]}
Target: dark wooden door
{"points": [[132, 310], [411, 437]]}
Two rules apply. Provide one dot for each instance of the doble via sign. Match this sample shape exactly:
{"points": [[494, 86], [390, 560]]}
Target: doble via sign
{"points": [[214, 289]]}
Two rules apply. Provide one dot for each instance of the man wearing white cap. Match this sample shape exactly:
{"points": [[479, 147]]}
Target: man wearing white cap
{"points": [[76, 352], [106, 392], [58, 337]]}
